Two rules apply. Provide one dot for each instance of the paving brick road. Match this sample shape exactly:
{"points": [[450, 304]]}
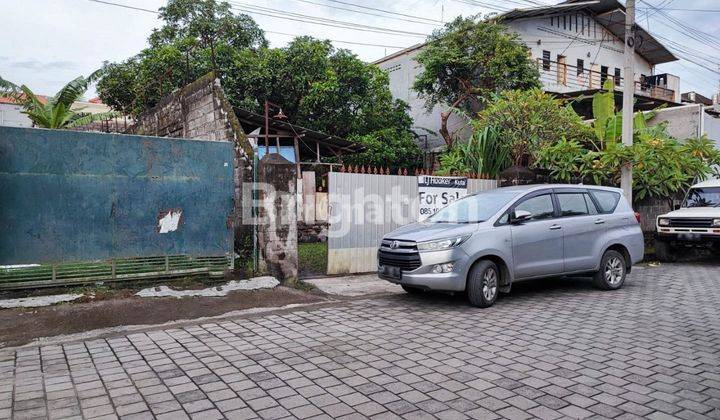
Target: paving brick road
{"points": [[551, 349]]}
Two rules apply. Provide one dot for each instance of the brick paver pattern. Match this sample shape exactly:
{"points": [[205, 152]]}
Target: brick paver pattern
{"points": [[556, 349]]}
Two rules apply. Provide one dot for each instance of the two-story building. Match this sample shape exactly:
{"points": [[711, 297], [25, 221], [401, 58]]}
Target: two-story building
{"points": [[577, 45]]}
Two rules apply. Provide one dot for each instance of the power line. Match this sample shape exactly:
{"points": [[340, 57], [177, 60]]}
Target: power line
{"points": [[431, 23], [125, 6], [155, 12], [383, 10], [315, 20], [685, 10]]}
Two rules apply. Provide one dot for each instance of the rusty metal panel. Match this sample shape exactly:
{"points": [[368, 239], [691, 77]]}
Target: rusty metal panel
{"points": [[79, 196]]}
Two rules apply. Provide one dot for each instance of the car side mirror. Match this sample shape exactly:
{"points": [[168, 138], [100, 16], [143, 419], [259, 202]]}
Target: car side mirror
{"points": [[520, 216]]}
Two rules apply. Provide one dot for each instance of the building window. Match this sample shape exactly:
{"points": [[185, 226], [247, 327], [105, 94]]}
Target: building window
{"points": [[603, 74], [546, 60], [580, 66], [617, 76], [564, 21]]}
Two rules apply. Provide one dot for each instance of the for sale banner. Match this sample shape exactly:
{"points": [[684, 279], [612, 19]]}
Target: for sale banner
{"points": [[437, 192]]}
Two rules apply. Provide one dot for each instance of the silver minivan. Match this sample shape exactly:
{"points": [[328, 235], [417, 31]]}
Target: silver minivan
{"points": [[484, 242]]}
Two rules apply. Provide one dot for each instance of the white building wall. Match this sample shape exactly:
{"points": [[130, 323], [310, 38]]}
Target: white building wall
{"points": [[402, 68], [402, 71], [11, 116], [576, 36]]}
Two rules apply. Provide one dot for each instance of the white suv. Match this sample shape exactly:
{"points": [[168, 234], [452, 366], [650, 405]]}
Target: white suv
{"points": [[695, 222]]}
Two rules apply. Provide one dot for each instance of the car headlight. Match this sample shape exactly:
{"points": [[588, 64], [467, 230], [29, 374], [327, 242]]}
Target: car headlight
{"points": [[663, 222], [716, 223], [441, 244]]}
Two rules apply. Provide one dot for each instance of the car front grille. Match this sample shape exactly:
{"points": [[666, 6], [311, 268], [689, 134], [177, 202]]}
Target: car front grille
{"points": [[399, 253], [407, 261], [691, 223]]}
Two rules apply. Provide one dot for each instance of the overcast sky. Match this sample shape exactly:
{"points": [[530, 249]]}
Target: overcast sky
{"points": [[46, 43]]}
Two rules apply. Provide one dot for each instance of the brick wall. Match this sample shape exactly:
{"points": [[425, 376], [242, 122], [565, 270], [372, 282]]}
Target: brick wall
{"points": [[650, 209]]}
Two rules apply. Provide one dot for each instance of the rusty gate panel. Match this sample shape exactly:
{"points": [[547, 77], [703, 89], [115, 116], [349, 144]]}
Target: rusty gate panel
{"points": [[69, 196]]}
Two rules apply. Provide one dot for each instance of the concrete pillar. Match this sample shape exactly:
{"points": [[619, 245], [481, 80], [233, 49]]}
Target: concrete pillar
{"points": [[277, 230]]}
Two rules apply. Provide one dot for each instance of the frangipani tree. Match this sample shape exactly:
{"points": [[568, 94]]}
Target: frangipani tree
{"points": [[56, 112]]}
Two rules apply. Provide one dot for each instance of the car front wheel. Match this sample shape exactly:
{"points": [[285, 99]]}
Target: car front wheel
{"points": [[483, 284], [612, 271]]}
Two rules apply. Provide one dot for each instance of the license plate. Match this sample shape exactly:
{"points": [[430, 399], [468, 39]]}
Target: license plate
{"points": [[690, 236], [391, 271]]}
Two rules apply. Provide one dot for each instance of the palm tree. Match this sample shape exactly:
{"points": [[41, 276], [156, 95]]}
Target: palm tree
{"points": [[55, 112]]}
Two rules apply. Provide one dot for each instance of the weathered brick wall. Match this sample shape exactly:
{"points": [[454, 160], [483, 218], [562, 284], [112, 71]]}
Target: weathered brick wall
{"points": [[650, 209], [201, 111]]}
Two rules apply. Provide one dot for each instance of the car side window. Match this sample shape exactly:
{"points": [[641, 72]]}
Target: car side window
{"points": [[607, 200], [541, 207], [590, 204], [573, 204]]}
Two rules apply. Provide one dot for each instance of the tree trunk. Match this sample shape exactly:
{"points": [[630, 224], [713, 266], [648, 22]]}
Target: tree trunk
{"points": [[444, 117], [446, 135]]}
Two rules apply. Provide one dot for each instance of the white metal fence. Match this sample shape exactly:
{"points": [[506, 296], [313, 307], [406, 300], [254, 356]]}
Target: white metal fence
{"points": [[365, 207]]}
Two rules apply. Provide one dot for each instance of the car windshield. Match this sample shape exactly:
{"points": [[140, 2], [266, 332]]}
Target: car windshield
{"points": [[474, 208], [703, 197]]}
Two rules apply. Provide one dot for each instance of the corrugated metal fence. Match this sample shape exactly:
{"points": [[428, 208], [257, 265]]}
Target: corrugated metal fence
{"points": [[115, 206], [363, 208]]}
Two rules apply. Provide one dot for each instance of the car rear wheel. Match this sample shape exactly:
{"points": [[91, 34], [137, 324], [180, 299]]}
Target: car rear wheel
{"points": [[411, 290], [613, 271], [664, 251], [483, 284]]}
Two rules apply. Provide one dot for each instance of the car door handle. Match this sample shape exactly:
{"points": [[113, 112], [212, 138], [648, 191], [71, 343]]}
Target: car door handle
{"points": [[599, 221], [555, 227]]}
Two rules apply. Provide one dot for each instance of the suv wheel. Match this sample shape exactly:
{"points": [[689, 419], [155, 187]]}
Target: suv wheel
{"points": [[411, 290], [483, 284], [664, 251], [612, 271]]}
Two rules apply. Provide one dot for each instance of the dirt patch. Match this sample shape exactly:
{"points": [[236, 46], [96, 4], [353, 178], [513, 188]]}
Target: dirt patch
{"points": [[21, 326]]}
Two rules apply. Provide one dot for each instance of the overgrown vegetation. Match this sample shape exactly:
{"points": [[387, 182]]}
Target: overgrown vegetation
{"points": [[312, 259], [316, 85], [662, 165], [468, 62], [484, 154], [55, 112]]}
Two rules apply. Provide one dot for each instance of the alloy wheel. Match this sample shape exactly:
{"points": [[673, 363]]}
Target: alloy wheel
{"points": [[489, 284], [614, 271]]}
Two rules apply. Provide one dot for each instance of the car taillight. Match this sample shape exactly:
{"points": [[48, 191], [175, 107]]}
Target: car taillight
{"points": [[637, 216]]}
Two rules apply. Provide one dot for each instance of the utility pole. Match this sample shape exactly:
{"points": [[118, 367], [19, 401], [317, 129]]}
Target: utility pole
{"points": [[626, 178]]}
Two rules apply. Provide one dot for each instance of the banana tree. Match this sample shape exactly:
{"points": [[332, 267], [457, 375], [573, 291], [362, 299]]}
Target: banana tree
{"points": [[608, 121], [56, 112]]}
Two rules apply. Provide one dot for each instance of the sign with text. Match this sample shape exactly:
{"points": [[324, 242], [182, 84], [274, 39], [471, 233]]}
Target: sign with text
{"points": [[437, 192]]}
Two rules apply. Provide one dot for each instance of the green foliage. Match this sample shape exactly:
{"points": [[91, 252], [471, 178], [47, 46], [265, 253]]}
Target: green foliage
{"points": [[564, 159], [312, 258], [56, 112], [482, 154], [198, 36], [317, 86], [662, 165], [386, 148], [527, 121], [467, 62]]}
